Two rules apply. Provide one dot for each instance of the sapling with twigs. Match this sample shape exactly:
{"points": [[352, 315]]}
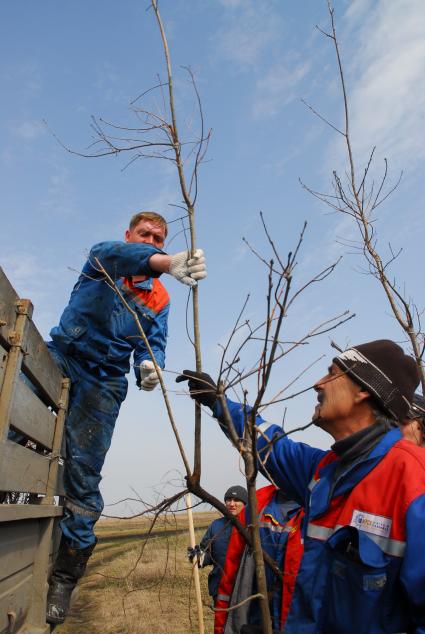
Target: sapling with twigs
{"points": [[358, 196], [156, 135]]}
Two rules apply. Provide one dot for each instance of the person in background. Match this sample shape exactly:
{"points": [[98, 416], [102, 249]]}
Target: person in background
{"points": [[213, 546], [413, 426], [279, 524]]}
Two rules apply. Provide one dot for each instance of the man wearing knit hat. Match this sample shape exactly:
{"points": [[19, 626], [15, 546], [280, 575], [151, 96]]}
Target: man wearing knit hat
{"points": [[413, 426], [363, 568], [213, 547]]}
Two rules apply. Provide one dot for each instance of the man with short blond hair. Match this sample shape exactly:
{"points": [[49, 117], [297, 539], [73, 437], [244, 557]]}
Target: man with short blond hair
{"points": [[152, 216], [93, 345]]}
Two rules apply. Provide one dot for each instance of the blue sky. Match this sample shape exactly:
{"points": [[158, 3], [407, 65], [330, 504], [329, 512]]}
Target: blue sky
{"points": [[254, 61]]}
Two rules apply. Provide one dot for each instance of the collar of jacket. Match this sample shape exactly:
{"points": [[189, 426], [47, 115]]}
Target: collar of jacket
{"points": [[146, 285], [347, 480]]}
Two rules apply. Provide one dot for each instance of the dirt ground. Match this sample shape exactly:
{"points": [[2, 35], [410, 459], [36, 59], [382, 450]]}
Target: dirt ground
{"points": [[140, 584]]}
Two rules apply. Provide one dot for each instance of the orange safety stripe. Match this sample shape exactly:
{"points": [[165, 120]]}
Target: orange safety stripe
{"points": [[367, 497], [155, 300]]}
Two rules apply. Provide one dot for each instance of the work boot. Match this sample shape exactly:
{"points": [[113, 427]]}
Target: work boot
{"points": [[70, 565]]}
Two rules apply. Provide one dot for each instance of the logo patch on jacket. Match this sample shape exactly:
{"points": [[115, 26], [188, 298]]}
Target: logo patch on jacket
{"points": [[375, 524]]}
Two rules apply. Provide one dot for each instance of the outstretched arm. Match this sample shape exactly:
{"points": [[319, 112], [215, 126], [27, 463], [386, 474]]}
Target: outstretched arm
{"points": [[290, 464], [123, 259]]}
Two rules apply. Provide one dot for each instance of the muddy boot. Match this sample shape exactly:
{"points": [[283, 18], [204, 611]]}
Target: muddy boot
{"points": [[69, 566]]}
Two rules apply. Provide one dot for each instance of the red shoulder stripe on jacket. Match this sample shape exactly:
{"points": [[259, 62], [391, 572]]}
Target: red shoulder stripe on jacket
{"points": [[233, 556], [293, 555], [155, 300]]}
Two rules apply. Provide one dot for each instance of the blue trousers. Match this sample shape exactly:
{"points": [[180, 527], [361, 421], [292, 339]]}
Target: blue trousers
{"points": [[94, 404]]}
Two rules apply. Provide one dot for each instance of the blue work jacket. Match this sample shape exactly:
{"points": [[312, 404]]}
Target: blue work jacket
{"points": [[238, 580], [97, 328], [214, 543], [363, 568]]}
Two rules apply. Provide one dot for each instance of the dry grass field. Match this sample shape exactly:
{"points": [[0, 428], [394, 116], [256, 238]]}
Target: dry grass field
{"points": [[136, 585]]}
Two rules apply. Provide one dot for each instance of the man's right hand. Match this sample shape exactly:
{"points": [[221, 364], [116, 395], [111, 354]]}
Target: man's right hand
{"points": [[201, 386], [186, 269]]}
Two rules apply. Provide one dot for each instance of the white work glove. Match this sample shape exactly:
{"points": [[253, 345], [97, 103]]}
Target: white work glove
{"points": [[186, 269], [149, 379]]}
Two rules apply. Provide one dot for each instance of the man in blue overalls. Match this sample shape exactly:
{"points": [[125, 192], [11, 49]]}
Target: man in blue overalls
{"points": [[92, 345]]}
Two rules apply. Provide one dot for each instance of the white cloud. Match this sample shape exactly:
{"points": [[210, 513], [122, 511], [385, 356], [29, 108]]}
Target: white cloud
{"points": [[278, 87], [28, 130], [29, 274], [6, 156], [26, 75], [108, 83], [386, 70], [231, 4], [59, 194], [33, 279], [245, 33]]}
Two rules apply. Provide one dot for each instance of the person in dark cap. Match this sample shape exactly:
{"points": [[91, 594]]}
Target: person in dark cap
{"points": [[213, 546], [413, 426], [237, 608], [362, 571]]}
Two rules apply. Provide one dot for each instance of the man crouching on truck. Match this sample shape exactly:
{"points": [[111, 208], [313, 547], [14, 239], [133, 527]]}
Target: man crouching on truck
{"points": [[92, 345]]}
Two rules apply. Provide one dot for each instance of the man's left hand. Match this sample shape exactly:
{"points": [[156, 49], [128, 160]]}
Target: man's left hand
{"points": [[149, 378]]}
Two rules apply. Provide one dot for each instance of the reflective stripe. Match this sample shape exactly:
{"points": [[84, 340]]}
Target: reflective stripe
{"points": [[392, 547], [263, 427], [313, 483], [320, 532], [273, 527], [223, 597], [82, 511]]}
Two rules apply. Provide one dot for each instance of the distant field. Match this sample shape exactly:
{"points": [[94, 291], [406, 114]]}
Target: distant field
{"points": [[136, 585]]}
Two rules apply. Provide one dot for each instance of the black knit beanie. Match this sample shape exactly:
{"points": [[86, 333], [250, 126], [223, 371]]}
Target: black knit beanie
{"points": [[236, 493], [382, 368]]}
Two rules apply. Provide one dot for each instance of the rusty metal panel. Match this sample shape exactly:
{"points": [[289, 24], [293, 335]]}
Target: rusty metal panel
{"points": [[15, 597], [8, 297], [31, 417], [55, 481], [26, 529], [40, 367], [22, 469], [59, 481], [14, 360], [18, 551], [18, 512], [19, 541]]}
